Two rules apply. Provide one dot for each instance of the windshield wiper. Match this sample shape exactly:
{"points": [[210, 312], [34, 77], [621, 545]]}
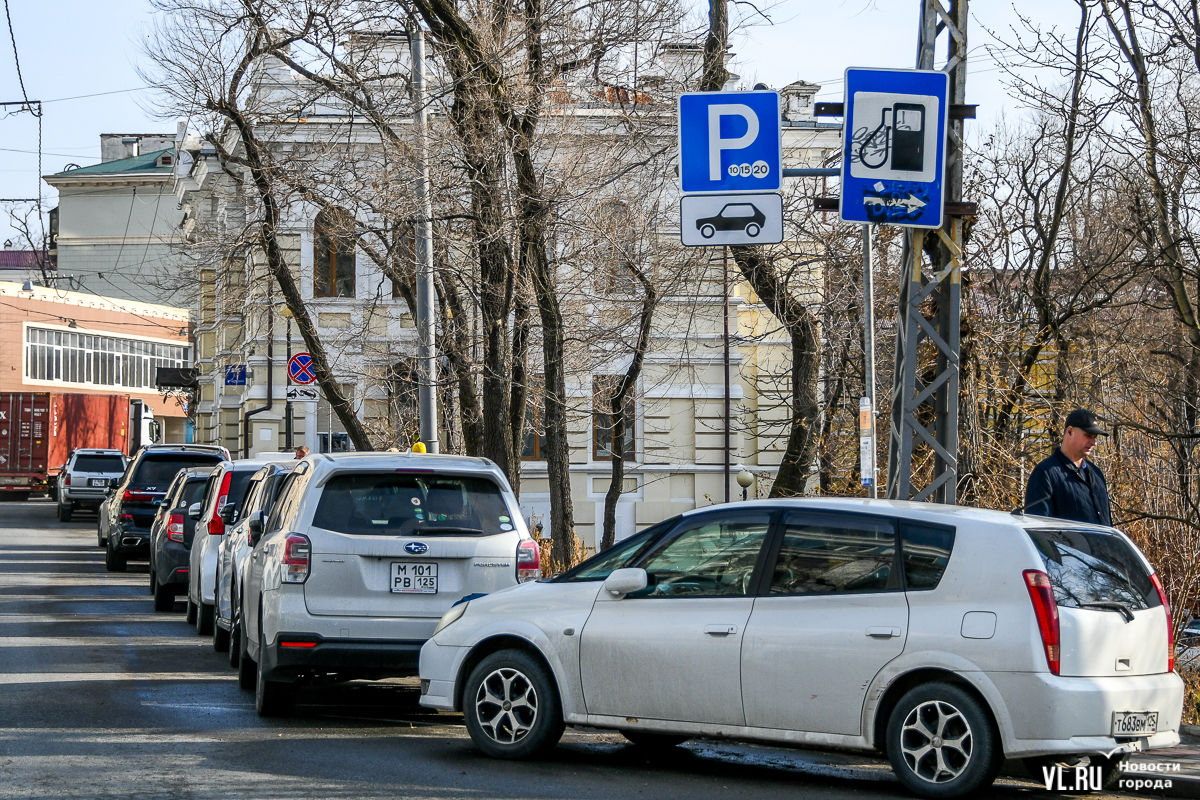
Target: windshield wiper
{"points": [[1111, 605]]}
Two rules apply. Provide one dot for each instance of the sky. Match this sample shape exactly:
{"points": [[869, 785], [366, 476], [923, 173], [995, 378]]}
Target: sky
{"points": [[79, 58]]}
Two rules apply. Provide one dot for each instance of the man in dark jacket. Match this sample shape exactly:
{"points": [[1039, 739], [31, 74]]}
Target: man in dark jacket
{"points": [[1066, 485]]}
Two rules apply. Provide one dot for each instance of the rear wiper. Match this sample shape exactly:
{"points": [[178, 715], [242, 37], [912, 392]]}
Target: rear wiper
{"points": [[1111, 605]]}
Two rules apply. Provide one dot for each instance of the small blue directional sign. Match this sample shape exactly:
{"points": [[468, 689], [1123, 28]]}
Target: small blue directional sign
{"points": [[235, 375], [730, 142], [894, 147]]}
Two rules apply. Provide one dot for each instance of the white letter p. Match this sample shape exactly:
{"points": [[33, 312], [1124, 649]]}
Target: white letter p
{"points": [[716, 144]]}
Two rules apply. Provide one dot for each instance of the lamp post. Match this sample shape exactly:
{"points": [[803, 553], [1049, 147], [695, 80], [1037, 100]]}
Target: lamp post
{"points": [[745, 479]]}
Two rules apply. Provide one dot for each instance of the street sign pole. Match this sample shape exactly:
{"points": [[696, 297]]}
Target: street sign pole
{"points": [[942, 286], [426, 296], [869, 473]]}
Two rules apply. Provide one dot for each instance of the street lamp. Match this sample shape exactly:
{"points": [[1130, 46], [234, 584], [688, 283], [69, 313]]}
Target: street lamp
{"points": [[745, 479]]}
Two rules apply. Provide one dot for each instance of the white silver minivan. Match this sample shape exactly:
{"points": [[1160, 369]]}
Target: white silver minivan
{"points": [[359, 557], [948, 638]]}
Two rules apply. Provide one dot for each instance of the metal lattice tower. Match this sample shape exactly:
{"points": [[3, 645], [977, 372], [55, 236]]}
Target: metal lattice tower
{"points": [[925, 408]]}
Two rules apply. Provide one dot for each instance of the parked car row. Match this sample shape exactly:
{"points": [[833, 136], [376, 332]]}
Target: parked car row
{"points": [[947, 638]]}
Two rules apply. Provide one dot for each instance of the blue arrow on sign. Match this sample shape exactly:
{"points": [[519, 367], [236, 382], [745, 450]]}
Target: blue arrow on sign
{"points": [[894, 147], [730, 142]]}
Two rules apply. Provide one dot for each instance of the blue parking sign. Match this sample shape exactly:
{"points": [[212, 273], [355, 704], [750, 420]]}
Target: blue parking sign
{"points": [[730, 142], [894, 147]]}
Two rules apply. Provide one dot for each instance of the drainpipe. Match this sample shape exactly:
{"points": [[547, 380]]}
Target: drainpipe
{"points": [[270, 372]]}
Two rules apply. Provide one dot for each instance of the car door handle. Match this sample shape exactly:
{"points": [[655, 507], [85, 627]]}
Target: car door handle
{"points": [[720, 630], [883, 632]]}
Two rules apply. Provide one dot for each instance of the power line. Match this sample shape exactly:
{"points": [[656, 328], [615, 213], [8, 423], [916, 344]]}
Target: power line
{"points": [[16, 59]]}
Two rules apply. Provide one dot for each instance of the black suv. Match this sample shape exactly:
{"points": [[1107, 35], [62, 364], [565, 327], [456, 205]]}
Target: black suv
{"points": [[171, 536], [128, 513]]}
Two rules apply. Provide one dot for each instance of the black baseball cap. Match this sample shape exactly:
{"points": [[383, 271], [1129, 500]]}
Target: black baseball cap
{"points": [[1085, 421]]}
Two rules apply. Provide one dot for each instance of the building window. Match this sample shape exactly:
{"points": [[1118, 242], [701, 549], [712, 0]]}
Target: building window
{"points": [[533, 441], [86, 359], [603, 388], [616, 250], [333, 254]]}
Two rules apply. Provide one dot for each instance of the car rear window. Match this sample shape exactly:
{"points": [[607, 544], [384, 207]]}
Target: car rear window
{"points": [[1087, 567], [412, 505], [159, 470], [193, 492], [99, 464]]}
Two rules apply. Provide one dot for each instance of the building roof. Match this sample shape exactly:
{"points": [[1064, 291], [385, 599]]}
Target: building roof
{"points": [[24, 259], [146, 162]]}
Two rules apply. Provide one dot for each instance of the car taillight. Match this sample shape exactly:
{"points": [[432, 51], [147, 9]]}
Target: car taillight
{"points": [[529, 561], [125, 517], [67, 481], [136, 497], [216, 525], [175, 528], [1162, 595], [1046, 609], [295, 559]]}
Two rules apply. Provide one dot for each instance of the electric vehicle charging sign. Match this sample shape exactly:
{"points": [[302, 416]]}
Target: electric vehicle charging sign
{"points": [[730, 142], [894, 147]]}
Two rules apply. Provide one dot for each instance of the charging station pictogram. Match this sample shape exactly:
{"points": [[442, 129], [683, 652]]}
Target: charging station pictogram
{"points": [[894, 147]]}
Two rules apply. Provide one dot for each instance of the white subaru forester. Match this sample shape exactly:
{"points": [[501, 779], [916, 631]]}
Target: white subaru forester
{"points": [[948, 638], [361, 555]]}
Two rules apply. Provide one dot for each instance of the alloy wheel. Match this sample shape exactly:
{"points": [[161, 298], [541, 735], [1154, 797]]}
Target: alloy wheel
{"points": [[936, 741], [506, 705]]}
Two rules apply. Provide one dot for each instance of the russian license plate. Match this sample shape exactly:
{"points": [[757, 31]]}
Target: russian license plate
{"points": [[97, 481], [1134, 723], [414, 577]]}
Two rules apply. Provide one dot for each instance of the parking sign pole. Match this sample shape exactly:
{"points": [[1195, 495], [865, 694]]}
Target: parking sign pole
{"points": [[942, 285], [725, 296]]}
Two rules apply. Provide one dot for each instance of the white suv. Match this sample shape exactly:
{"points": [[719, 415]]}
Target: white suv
{"points": [[362, 554], [949, 638]]}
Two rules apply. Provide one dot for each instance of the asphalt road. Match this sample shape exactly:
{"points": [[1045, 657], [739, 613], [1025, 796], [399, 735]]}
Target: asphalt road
{"points": [[102, 697]]}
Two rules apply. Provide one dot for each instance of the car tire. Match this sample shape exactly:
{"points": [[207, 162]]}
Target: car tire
{"points": [[508, 676], [271, 698], [164, 597], [654, 741], [235, 631], [204, 619], [941, 742], [100, 540], [247, 668], [153, 581], [112, 561], [220, 638], [753, 229], [191, 612], [64, 512], [708, 231]]}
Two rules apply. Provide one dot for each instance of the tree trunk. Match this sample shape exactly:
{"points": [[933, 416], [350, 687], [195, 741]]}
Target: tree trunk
{"points": [[771, 287], [254, 159]]}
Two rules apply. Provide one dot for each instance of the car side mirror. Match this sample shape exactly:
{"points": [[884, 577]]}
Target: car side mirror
{"points": [[256, 527], [194, 511], [228, 512], [621, 582]]}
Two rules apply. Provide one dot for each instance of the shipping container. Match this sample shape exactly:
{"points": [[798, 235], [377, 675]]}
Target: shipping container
{"points": [[38, 431]]}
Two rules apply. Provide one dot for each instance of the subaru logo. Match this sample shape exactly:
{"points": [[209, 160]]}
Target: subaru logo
{"points": [[416, 548]]}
